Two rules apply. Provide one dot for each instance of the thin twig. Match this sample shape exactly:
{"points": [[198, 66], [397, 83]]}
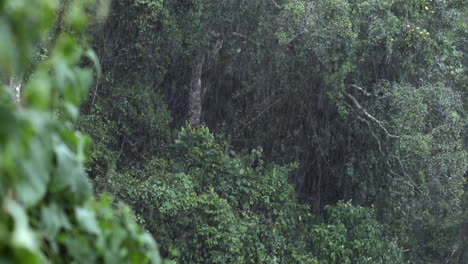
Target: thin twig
{"points": [[404, 173], [264, 111]]}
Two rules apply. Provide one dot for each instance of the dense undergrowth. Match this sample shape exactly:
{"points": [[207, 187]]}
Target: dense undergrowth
{"points": [[207, 204]]}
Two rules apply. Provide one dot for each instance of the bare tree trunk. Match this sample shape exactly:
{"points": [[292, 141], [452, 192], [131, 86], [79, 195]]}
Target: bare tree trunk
{"points": [[15, 84], [195, 94]]}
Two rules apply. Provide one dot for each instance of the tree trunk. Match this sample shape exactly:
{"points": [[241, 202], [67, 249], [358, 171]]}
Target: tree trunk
{"points": [[195, 94], [15, 84]]}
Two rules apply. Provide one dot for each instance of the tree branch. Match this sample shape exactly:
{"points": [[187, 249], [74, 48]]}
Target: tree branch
{"points": [[380, 123], [360, 89]]}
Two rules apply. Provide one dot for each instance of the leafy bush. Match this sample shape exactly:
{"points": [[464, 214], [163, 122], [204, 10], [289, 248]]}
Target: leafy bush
{"points": [[351, 234], [208, 204], [47, 212]]}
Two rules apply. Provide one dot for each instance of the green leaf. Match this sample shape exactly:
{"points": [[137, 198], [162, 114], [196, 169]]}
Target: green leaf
{"points": [[87, 220], [94, 58], [38, 92], [23, 239], [72, 111], [67, 169], [22, 236], [34, 174], [8, 55], [53, 219], [80, 188]]}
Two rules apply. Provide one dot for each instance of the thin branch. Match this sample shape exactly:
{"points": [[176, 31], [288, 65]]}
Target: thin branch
{"points": [[94, 94], [97, 85], [404, 173], [121, 148], [380, 123], [373, 134], [264, 111], [360, 89]]}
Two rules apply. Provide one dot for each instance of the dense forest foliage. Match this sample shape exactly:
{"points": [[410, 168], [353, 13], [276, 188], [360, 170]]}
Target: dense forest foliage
{"points": [[235, 131]]}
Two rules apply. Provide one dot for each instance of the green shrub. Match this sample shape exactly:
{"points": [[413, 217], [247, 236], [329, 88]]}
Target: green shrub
{"points": [[207, 204], [352, 234]]}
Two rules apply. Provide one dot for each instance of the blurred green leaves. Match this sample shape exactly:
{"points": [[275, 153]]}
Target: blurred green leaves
{"points": [[47, 212], [22, 25], [68, 168]]}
